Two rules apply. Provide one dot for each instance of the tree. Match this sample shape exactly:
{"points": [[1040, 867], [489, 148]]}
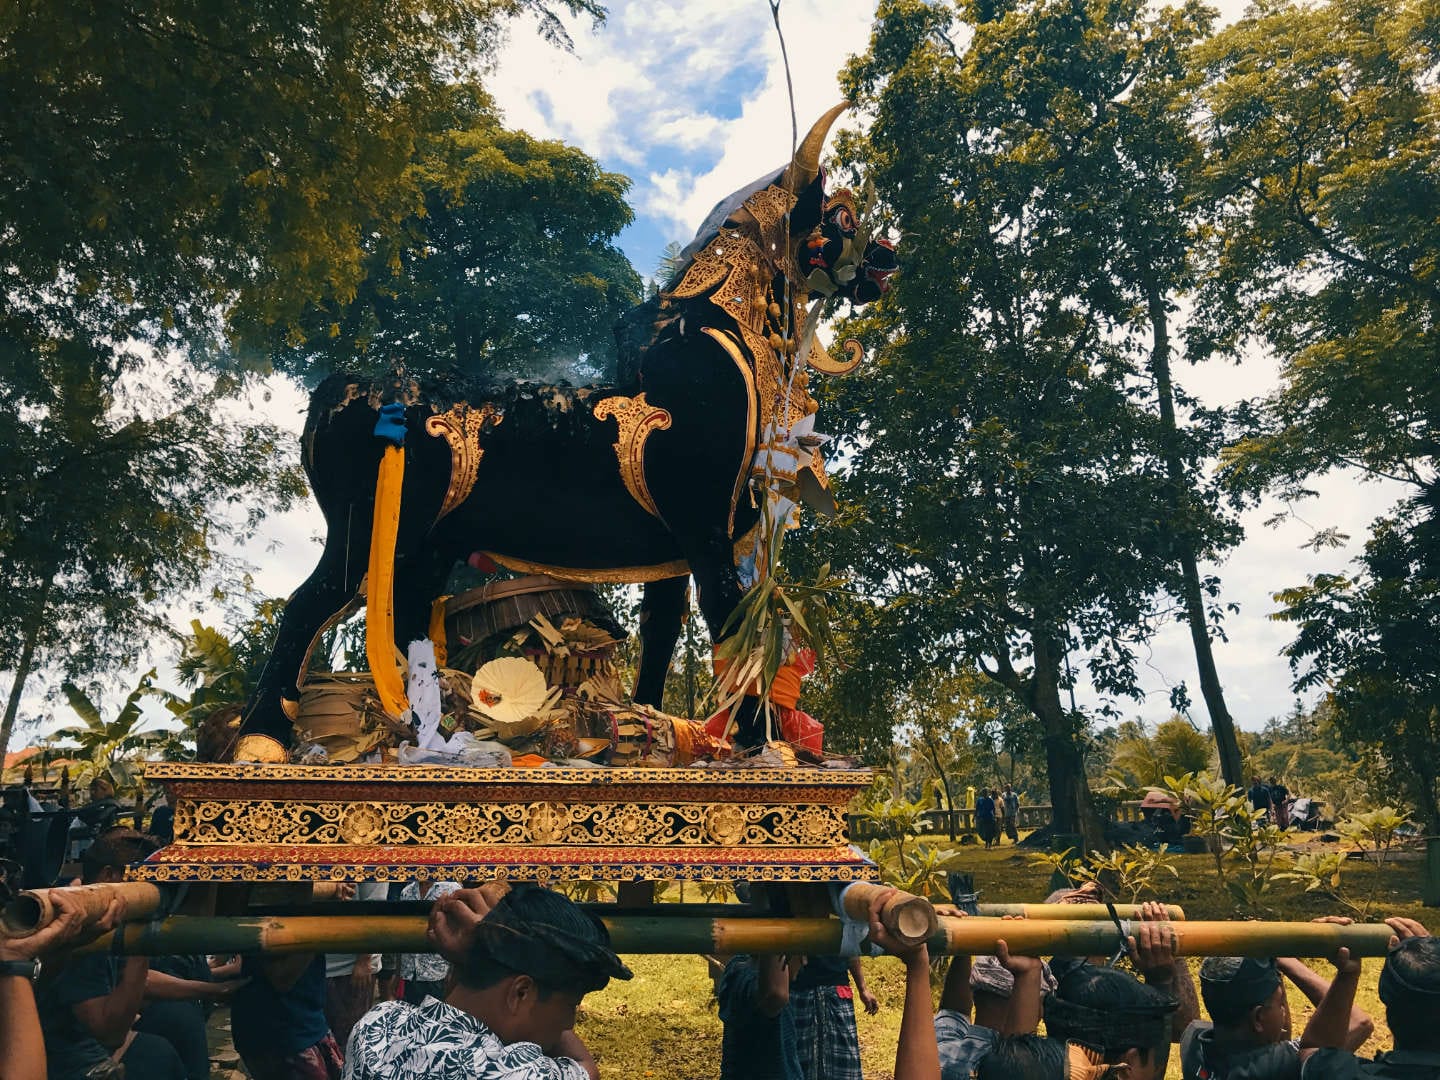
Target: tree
{"points": [[1372, 641], [1321, 132], [1141, 759], [1028, 513], [172, 161], [508, 267], [124, 486], [1323, 238]]}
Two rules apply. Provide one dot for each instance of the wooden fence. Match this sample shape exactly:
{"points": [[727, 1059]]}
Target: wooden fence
{"points": [[939, 822]]}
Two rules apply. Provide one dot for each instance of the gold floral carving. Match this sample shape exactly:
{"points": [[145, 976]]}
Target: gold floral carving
{"points": [[461, 426], [635, 418], [203, 823]]}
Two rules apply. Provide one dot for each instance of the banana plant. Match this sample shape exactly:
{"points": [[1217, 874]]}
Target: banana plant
{"points": [[108, 748]]}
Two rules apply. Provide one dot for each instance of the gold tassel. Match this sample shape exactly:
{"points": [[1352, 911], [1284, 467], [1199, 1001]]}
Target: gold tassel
{"points": [[380, 590], [437, 632]]}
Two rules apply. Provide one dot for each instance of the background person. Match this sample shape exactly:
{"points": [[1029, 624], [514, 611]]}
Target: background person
{"points": [[424, 974], [89, 1004], [22, 1041], [1010, 813], [985, 818], [1410, 990]]}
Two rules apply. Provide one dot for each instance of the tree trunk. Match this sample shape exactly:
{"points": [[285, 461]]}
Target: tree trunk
{"points": [[1069, 790], [1221, 722], [22, 669]]}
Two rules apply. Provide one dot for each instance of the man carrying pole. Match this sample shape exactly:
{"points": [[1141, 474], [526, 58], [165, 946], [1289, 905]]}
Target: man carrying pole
{"points": [[1410, 989], [521, 966], [1249, 1038]]}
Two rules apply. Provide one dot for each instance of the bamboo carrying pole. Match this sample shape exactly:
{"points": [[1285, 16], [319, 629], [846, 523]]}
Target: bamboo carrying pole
{"points": [[1071, 911], [688, 934], [34, 909], [909, 918]]}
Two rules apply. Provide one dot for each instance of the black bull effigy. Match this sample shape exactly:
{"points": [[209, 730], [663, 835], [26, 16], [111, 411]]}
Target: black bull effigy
{"points": [[646, 481]]}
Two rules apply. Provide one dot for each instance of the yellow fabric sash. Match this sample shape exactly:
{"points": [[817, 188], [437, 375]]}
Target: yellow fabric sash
{"points": [[380, 590]]}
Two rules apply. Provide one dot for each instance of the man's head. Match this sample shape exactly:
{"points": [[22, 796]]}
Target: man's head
{"points": [[1023, 1057], [1127, 1022], [112, 851], [1246, 999], [1410, 989], [534, 957], [101, 788], [1007, 789]]}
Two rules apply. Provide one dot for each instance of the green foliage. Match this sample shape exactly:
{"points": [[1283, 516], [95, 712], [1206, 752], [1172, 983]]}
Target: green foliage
{"points": [[1003, 425], [219, 670], [1322, 240], [1374, 641], [1242, 841], [1140, 760], [122, 488], [1065, 863], [1127, 873], [173, 159], [776, 616], [109, 748], [506, 267], [905, 861], [1374, 834]]}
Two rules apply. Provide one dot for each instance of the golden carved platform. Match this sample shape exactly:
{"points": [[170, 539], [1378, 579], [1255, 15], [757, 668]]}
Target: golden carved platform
{"points": [[389, 823]]}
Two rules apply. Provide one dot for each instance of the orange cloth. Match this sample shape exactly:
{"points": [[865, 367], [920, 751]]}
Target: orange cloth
{"points": [[529, 761], [796, 727]]}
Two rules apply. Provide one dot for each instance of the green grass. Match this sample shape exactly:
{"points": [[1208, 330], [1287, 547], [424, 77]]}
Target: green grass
{"points": [[663, 1022]]}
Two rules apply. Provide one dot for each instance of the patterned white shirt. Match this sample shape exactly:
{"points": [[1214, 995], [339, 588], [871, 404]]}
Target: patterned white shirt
{"points": [[435, 1041], [425, 967]]}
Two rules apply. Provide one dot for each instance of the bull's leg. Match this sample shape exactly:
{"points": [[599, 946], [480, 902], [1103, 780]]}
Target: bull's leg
{"points": [[662, 610], [324, 593], [712, 562]]}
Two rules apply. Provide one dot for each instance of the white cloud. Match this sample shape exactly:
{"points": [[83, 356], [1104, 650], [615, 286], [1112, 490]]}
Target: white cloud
{"points": [[671, 76]]}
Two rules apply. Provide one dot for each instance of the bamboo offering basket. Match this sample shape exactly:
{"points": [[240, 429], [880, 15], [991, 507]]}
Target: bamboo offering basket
{"points": [[252, 823]]}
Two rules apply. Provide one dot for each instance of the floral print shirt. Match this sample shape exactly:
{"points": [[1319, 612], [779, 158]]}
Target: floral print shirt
{"points": [[435, 1041]]}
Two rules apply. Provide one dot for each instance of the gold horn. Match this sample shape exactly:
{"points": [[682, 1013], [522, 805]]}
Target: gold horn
{"points": [[806, 166]]}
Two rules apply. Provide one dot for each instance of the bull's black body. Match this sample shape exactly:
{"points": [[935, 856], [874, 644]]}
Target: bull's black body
{"points": [[548, 493]]}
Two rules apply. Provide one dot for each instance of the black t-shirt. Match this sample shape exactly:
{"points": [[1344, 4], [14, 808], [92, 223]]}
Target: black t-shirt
{"points": [[265, 1021], [1260, 797], [1396, 1065], [754, 1046], [822, 971], [70, 1049], [1202, 1059]]}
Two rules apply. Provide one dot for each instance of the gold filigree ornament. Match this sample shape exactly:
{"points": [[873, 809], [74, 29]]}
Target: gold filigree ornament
{"points": [[548, 823], [461, 426], [363, 823], [669, 824], [635, 418], [725, 824]]}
